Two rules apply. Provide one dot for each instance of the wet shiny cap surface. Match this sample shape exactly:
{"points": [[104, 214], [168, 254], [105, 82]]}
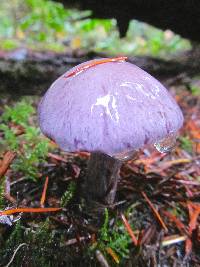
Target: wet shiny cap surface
{"points": [[114, 107]]}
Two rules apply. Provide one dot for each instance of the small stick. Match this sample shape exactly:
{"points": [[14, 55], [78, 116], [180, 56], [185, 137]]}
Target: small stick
{"points": [[155, 212], [43, 197], [101, 259], [5, 163], [94, 63], [74, 240], [10, 198]]}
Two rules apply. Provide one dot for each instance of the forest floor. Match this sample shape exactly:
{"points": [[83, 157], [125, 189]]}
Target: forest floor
{"points": [[154, 221]]}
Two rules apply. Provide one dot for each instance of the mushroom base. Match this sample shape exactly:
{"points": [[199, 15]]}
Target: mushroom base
{"points": [[101, 178]]}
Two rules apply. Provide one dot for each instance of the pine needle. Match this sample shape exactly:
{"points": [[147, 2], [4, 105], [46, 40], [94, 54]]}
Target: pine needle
{"points": [[28, 210], [130, 231], [155, 212], [43, 197]]}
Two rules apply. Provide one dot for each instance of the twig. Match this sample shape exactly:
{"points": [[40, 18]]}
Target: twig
{"points": [[155, 212], [74, 240], [10, 198], [13, 256], [101, 259], [5, 163]]}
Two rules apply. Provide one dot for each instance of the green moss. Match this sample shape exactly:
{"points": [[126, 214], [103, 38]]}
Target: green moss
{"points": [[2, 189], [8, 44], [18, 114], [68, 195], [46, 24], [115, 237], [31, 147], [195, 90], [186, 143]]}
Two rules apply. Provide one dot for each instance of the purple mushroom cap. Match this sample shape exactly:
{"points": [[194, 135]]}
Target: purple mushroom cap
{"points": [[114, 107]]}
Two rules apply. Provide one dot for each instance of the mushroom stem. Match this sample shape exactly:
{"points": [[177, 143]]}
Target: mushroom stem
{"points": [[102, 177]]}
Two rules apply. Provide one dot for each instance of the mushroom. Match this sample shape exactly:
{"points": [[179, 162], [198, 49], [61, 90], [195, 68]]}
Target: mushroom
{"points": [[110, 108]]}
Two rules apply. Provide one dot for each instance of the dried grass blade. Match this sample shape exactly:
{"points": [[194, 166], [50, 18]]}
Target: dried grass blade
{"points": [[111, 252], [171, 240]]}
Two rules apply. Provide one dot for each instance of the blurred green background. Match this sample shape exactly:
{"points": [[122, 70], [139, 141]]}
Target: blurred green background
{"points": [[47, 25]]}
